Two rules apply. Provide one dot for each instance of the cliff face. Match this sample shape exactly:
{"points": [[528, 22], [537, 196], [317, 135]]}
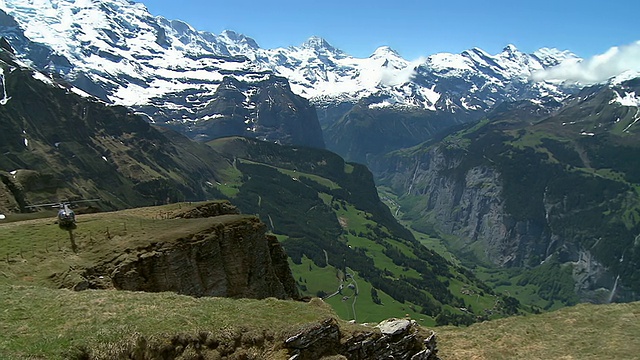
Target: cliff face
{"points": [[468, 204], [516, 213], [470, 200], [218, 253], [267, 110], [233, 258]]}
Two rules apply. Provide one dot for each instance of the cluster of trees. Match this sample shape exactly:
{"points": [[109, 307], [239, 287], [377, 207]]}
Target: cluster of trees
{"points": [[447, 317], [555, 283], [374, 296]]}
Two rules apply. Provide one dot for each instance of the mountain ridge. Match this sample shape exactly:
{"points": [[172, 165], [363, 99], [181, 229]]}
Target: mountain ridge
{"points": [[119, 52]]}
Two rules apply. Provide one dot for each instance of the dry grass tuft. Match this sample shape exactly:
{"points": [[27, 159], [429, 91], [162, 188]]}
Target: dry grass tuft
{"points": [[581, 332], [46, 323]]}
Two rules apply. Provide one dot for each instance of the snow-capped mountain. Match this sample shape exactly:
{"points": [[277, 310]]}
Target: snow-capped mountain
{"points": [[118, 51], [328, 74], [119, 46]]}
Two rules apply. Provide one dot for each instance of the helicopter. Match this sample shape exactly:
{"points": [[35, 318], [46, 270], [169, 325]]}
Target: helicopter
{"points": [[66, 216]]}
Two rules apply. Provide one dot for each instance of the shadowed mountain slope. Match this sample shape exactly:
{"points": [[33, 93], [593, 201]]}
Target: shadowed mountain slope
{"points": [[557, 193], [59, 144]]}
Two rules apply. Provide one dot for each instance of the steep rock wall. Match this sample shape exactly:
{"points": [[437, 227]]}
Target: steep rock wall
{"points": [[467, 203], [233, 258], [467, 200]]}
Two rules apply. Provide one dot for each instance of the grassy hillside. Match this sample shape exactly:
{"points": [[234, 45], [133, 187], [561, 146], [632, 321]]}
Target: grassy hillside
{"points": [[43, 318], [581, 332], [36, 252], [42, 323], [38, 322]]}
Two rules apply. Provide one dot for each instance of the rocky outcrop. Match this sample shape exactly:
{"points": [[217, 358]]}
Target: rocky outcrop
{"points": [[211, 209], [212, 251], [266, 110], [11, 193], [231, 258], [391, 339], [328, 340], [593, 282]]}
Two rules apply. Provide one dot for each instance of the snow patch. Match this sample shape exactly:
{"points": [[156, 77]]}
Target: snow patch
{"points": [[212, 117], [5, 98], [42, 77], [629, 99], [466, 105], [380, 105], [80, 92], [431, 95]]}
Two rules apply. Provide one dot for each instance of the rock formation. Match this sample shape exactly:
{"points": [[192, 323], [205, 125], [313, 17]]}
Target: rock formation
{"points": [[233, 258], [391, 339], [469, 204], [229, 256], [328, 339]]}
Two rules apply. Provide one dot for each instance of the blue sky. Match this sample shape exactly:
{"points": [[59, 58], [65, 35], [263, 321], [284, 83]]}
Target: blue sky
{"points": [[417, 28]]}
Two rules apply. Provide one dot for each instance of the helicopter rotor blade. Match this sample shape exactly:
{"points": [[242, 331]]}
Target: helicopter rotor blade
{"points": [[61, 203], [43, 205], [81, 201]]}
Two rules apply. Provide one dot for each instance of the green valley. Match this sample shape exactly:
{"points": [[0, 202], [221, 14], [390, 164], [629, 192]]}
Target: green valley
{"points": [[344, 242]]}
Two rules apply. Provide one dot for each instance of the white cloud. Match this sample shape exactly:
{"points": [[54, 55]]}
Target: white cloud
{"points": [[599, 68], [394, 76]]}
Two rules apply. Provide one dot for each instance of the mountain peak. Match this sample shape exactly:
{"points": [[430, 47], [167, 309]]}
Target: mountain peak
{"points": [[239, 38], [317, 43], [384, 51], [476, 54], [511, 53], [477, 50], [551, 56], [510, 49]]}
